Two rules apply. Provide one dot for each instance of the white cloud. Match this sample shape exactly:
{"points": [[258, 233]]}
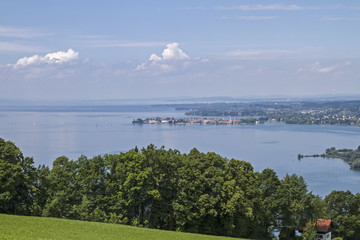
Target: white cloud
{"points": [[255, 7], [141, 66], [50, 58], [154, 57], [60, 57], [173, 52], [171, 57]]}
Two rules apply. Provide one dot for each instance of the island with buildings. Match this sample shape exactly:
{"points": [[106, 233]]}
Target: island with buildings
{"points": [[325, 112], [199, 121]]}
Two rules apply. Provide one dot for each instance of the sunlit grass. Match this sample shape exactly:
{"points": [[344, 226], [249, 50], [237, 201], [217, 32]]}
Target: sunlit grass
{"points": [[21, 227]]}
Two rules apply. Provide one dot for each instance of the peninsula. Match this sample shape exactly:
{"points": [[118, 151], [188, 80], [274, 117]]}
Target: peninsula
{"points": [[351, 156]]}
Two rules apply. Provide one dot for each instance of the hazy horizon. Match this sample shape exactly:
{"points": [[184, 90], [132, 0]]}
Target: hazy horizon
{"points": [[175, 100]]}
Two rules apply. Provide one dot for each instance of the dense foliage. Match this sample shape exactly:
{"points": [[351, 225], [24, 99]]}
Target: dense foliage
{"points": [[164, 189]]}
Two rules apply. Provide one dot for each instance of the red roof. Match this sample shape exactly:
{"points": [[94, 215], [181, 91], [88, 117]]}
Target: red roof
{"points": [[322, 226]]}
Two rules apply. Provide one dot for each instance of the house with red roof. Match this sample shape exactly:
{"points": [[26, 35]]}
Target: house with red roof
{"points": [[323, 229]]}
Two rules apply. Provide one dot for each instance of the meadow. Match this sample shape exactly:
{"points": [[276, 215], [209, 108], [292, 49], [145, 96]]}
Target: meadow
{"points": [[24, 227]]}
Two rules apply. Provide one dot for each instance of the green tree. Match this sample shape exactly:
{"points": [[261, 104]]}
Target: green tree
{"points": [[268, 185], [240, 200], [17, 178], [292, 203], [132, 179], [310, 231], [344, 209], [63, 191], [340, 203], [165, 170], [43, 188], [91, 183], [28, 187], [197, 205]]}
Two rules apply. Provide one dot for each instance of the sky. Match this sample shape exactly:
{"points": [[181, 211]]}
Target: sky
{"points": [[66, 49]]}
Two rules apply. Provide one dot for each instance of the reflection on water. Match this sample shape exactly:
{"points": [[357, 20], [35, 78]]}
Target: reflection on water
{"points": [[47, 135]]}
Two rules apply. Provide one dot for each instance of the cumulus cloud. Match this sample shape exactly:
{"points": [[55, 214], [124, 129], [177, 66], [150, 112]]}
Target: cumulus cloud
{"points": [[154, 57], [171, 57], [50, 58], [173, 52]]}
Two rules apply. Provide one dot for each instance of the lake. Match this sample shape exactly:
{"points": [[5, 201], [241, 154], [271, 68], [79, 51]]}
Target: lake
{"points": [[47, 133]]}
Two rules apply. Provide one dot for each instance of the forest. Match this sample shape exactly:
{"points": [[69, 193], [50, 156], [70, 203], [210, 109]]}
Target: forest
{"points": [[165, 189]]}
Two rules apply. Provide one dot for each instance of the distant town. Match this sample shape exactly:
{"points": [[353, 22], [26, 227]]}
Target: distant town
{"points": [[289, 112], [198, 121], [307, 112]]}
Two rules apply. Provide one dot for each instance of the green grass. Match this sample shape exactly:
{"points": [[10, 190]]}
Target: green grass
{"points": [[21, 227]]}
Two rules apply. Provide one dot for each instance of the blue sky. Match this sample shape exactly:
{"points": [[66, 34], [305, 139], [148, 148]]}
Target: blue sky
{"points": [[61, 49]]}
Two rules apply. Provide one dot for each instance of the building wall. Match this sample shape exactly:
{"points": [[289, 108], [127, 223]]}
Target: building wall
{"points": [[325, 236]]}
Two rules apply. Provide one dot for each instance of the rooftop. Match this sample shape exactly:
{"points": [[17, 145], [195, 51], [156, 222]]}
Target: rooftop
{"points": [[322, 226]]}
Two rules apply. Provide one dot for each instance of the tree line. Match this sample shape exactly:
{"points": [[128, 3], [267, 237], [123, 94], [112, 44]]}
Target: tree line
{"points": [[165, 189]]}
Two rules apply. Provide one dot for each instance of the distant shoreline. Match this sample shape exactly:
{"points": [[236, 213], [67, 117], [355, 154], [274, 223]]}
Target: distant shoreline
{"points": [[199, 121]]}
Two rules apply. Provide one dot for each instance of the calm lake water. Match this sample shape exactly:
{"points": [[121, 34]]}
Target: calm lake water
{"points": [[47, 133]]}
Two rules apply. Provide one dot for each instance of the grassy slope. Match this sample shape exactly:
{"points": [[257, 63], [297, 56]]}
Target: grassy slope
{"points": [[20, 227]]}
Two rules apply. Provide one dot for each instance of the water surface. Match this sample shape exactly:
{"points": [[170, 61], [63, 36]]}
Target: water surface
{"points": [[46, 135]]}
